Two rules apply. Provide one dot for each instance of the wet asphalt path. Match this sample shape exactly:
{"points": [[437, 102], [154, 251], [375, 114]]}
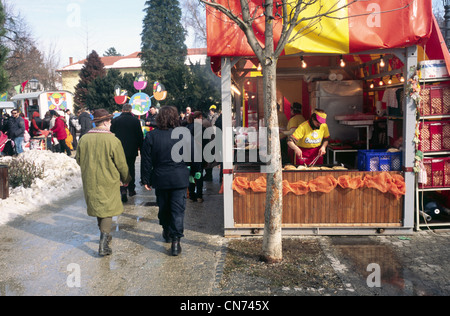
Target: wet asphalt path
{"points": [[54, 251]]}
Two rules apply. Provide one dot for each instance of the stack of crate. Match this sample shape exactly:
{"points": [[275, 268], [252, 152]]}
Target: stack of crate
{"points": [[435, 134]]}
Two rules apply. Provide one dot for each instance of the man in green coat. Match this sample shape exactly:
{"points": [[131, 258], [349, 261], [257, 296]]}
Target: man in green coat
{"points": [[103, 168]]}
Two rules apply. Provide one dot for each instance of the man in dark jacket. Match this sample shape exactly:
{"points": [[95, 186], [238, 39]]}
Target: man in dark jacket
{"points": [[150, 121], [16, 130], [85, 122], [128, 129]]}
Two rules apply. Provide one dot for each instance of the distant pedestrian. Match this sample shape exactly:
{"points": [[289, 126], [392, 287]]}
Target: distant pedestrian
{"points": [[213, 115], [150, 120], [84, 118], [103, 168], [212, 118], [16, 130], [195, 123], [168, 177], [74, 126], [184, 117], [36, 125], [59, 131], [128, 129]]}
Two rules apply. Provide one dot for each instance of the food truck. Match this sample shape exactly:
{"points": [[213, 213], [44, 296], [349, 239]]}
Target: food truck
{"points": [[43, 101], [366, 78]]}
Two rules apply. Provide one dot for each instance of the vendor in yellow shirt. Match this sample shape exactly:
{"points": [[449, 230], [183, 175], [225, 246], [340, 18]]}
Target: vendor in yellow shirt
{"points": [[296, 118], [310, 139]]}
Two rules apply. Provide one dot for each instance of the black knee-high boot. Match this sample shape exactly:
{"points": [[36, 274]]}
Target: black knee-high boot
{"points": [[176, 247]]}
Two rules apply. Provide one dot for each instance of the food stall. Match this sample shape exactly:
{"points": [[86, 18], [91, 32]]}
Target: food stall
{"points": [[371, 191]]}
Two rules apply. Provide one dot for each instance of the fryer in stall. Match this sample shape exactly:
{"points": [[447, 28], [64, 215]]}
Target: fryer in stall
{"points": [[310, 140]]}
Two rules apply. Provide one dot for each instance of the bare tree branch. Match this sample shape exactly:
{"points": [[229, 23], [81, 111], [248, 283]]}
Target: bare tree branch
{"points": [[193, 18]]}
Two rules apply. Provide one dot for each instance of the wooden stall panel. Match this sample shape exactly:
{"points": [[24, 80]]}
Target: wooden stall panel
{"points": [[340, 207]]}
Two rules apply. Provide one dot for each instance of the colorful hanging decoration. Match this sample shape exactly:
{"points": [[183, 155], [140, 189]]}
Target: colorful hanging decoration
{"points": [[57, 101], [140, 83], [159, 91], [121, 96], [140, 102], [413, 91]]}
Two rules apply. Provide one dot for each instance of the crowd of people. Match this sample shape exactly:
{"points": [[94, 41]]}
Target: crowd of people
{"points": [[55, 132], [117, 142], [106, 148]]}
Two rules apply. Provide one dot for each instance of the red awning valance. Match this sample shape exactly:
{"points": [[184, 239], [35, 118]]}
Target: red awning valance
{"points": [[390, 24]]}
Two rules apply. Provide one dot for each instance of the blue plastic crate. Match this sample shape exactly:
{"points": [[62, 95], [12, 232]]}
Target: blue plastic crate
{"points": [[379, 160]]}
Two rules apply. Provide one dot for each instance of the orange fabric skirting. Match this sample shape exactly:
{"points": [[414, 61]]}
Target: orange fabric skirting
{"points": [[384, 182]]}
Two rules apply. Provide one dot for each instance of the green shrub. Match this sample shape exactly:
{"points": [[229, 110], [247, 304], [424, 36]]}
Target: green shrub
{"points": [[23, 172]]}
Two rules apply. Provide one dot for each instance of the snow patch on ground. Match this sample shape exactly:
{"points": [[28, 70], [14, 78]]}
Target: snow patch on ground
{"points": [[62, 175]]}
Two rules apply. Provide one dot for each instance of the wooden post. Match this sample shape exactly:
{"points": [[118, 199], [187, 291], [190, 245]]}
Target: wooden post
{"points": [[4, 183]]}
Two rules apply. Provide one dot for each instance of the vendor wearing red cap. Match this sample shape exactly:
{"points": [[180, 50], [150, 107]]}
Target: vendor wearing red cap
{"points": [[310, 139]]}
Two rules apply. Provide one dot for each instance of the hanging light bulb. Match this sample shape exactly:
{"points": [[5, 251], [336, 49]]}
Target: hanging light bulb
{"points": [[382, 63], [342, 64], [371, 85], [259, 67], [390, 80], [381, 82], [235, 90], [402, 79], [304, 64]]}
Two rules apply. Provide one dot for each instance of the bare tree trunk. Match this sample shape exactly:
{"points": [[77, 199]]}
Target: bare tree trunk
{"points": [[272, 242]]}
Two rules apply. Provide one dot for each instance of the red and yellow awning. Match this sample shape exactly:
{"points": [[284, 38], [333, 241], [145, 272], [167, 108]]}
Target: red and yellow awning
{"points": [[359, 27]]}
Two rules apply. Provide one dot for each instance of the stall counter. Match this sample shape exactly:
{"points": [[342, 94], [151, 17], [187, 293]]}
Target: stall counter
{"points": [[325, 203]]}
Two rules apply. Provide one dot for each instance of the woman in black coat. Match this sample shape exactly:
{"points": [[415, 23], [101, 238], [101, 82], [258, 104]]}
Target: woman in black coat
{"points": [[168, 174]]}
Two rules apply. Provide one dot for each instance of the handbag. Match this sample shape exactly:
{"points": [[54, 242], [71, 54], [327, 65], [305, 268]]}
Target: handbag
{"points": [[26, 137], [3, 141]]}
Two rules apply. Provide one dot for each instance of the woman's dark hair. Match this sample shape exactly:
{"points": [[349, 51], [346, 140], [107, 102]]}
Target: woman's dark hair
{"points": [[54, 113], [167, 118], [194, 115], [297, 107]]}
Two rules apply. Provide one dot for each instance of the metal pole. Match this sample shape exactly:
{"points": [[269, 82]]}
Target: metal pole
{"points": [[227, 143], [409, 127]]}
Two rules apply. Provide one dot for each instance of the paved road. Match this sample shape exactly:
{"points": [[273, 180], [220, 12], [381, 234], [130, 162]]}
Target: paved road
{"points": [[53, 251]]}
